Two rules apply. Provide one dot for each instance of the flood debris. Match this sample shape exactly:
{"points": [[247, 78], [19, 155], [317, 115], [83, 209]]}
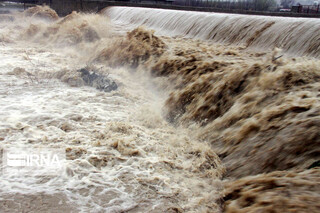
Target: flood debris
{"points": [[100, 82]]}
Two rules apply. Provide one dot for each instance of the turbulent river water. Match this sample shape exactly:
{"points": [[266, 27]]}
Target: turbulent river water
{"points": [[213, 112]]}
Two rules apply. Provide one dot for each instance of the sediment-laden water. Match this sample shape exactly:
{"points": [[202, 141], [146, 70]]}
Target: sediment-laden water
{"points": [[213, 112]]}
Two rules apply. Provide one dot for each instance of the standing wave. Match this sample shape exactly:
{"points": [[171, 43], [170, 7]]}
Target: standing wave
{"points": [[296, 36]]}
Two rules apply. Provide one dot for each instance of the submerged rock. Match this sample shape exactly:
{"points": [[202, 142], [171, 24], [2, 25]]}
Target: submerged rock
{"points": [[100, 82]]}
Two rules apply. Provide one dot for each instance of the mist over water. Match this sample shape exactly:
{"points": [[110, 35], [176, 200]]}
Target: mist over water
{"points": [[208, 115]]}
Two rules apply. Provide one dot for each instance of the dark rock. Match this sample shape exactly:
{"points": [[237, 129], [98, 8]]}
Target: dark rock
{"points": [[100, 82]]}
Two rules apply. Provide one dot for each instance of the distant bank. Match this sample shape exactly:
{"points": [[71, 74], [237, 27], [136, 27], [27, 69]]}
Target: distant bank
{"points": [[64, 7]]}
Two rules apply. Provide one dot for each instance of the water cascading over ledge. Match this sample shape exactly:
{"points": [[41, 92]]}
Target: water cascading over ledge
{"points": [[296, 36]]}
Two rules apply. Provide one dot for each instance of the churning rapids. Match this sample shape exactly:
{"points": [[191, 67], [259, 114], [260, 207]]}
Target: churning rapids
{"points": [[213, 112]]}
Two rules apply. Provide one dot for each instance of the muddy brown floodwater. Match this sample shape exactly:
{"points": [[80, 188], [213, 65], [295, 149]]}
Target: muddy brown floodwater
{"points": [[213, 112]]}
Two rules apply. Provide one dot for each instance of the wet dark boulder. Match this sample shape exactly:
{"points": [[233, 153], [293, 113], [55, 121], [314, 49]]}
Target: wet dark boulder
{"points": [[100, 82]]}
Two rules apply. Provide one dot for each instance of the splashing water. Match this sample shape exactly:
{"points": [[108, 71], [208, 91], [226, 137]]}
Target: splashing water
{"points": [[121, 154], [298, 36], [186, 114]]}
